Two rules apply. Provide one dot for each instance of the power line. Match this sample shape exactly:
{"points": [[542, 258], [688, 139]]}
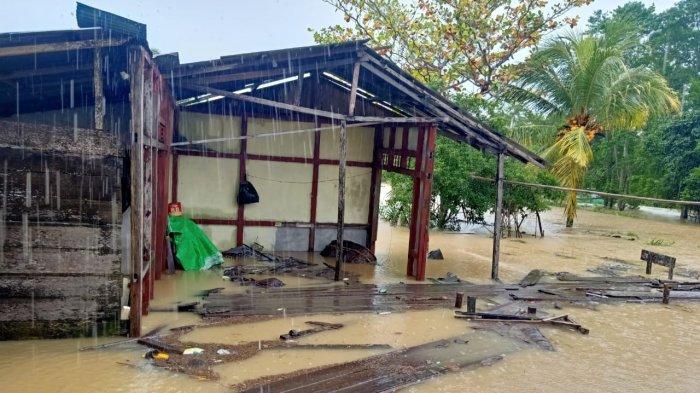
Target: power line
{"points": [[584, 191], [268, 134]]}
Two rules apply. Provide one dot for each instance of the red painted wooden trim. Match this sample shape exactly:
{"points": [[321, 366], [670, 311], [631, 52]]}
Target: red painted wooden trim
{"points": [[297, 160], [208, 153], [262, 157], [392, 144], [404, 147], [427, 180], [173, 193], [259, 223], [271, 223], [416, 210], [400, 152], [215, 221], [403, 171], [361, 164], [314, 188], [375, 187], [242, 177]]}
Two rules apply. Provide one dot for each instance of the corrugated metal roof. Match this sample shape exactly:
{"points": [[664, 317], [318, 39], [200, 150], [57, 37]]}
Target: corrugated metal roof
{"points": [[460, 125]]}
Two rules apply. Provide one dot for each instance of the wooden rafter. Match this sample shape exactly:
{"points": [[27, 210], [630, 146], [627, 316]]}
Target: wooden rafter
{"points": [[59, 46]]}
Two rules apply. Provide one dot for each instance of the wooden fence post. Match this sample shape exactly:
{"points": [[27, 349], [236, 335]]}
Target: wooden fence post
{"points": [[497, 218]]}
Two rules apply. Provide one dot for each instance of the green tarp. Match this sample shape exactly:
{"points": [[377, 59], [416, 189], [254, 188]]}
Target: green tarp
{"points": [[193, 248]]}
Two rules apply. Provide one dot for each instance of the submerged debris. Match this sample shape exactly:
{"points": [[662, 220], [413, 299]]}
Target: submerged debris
{"points": [[611, 269], [246, 251], [527, 334], [319, 327], [436, 254], [380, 373], [450, 278], [532, 278], [276, 265], [352, 252]]}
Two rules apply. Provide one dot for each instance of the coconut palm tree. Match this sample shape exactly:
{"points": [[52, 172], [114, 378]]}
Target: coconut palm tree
{"points": [[582, 84]]}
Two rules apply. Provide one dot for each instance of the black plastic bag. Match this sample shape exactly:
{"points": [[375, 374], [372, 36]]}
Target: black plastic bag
{"points": [[247, 193]]}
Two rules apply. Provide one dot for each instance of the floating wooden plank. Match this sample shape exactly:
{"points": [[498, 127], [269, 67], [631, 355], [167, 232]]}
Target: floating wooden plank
{"points": [[155, 343], [390, 371], [291, 345], [660, 259], [565, 276], [319, 327], [649, 295]]}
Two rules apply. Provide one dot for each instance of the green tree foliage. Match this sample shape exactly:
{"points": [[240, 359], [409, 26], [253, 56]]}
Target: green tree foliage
{"points": [[583, 83], [679, 146], [660, 157], [447, 43], [670, 43]]}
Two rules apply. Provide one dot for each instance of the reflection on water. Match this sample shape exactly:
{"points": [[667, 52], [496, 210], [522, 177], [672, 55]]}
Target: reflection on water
{"points": [[631, 347]]}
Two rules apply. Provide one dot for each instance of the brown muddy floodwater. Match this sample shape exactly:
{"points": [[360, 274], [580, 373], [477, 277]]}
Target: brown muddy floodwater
{"points": [[631, 347]]}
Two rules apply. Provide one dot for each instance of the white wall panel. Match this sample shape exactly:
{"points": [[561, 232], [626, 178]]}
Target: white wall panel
{"points": [[357, 186], [284, 189], [223, 236], [207, 186], [289, 145], [200, 126], [360, 144]]}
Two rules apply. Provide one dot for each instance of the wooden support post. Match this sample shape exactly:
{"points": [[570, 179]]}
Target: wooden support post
{"points": [[459, 299], [341, 197], [497, 217], [666, 293], [98, 87], [149, 133], [314, 187], [375, 187], [342, 162], [471, 305], [240, 217], [420, 210], [136, 71]]}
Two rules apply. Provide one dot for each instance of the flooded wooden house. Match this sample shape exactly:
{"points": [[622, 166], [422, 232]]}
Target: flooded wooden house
{"points": [[97, 137], [72, 105]]}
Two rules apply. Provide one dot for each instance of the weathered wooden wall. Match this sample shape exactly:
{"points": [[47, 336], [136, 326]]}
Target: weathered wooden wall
{"points": [[60, 221]]}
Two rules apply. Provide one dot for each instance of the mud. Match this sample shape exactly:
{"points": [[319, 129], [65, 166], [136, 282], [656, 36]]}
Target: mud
{"points": [[631, 347]]}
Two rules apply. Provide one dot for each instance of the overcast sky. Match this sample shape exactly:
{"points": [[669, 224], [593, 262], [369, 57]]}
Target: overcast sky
{"points": [[208, 29]]}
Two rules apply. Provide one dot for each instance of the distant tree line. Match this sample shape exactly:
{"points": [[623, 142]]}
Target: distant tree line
{"points": [[613, 108]]}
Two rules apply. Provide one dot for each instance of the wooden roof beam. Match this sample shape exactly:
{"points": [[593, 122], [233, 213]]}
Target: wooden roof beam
{"points": [[311, 111], [59, 46], [281, 71], [386, 78], [511, 147]]}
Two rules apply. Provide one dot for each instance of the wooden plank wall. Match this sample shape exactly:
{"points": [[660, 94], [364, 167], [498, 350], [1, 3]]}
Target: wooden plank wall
{"points": [[60, 228]]}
